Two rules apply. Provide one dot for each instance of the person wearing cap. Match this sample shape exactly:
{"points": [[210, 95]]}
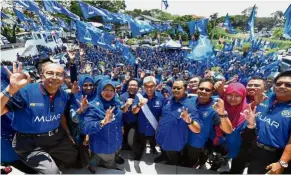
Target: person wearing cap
{"points": [[271, 124], [42, 134], [148, 107]]}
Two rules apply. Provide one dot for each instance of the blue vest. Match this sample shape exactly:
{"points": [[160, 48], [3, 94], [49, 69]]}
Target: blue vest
{"points": [[40, 115]]}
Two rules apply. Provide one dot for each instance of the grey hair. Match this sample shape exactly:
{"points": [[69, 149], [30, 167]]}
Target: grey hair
{"points": [[149, 79]]}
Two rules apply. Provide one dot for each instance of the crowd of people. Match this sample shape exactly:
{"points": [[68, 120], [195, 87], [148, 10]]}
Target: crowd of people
{"points": [[80, 114]]}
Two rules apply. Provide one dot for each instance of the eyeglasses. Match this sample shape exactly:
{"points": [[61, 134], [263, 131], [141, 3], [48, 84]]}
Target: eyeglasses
{"points": [[233, 97], [206, 89], [254, 85], [191, 82], [279, 84], [52, 74], [149, 87]]}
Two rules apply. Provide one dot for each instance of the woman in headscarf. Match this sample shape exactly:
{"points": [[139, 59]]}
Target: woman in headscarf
{"points": [[103, 124], [235, 103], [87, 94], [167, 92]]}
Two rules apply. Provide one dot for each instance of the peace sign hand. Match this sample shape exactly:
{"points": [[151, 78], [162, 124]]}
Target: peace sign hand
{"points": [[109, 115], [250, 115], [83, 104], [219, 106], [185, 115], [18, 79]]}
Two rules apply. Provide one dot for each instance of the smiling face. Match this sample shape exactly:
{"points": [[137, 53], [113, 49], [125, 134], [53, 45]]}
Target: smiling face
{"points": [[255, 86], [88, 87], [53, 76], [234, 98], [178, 89], [108, 92], [282, 88], [205, 91], [193, 83]]}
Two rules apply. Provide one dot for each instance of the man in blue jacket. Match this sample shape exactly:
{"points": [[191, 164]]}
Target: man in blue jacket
{"points": [[148, 107], [272, 150], [178, 116], [40, 142]]}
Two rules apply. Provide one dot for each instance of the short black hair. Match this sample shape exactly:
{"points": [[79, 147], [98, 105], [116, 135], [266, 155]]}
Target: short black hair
{"points": [[258, 77], [133, 79], [286, 73], [42, 61], [184, 82], [207, 80]]}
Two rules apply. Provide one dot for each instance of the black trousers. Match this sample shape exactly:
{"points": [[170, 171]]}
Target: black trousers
{"points": [[18, 164], [261, 158], [193, 155], [174, 157], [142, 141], [126, 128], [239, 163]]}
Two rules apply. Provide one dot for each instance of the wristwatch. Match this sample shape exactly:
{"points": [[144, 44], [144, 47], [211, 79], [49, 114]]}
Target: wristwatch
{"points": [[191, 122], [283, 164], [6, 94], [224, 115]]}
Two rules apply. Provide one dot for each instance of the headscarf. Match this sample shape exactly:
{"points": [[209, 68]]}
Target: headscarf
{"points": [[84, 79], [103, 105], [233, 111]]}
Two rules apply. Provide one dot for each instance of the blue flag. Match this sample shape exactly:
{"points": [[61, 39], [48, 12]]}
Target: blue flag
{"points": [[191, 25], [64, 25], [166, 4], [3, 15], [87, 33], [180, 29], [201, 26], [89, 11], [202, 50], [54, 7], [72, 25], [228, 26], [251, 23], [21, 16], [29, 5], [47, 24], [34, 27], [287, 27]]}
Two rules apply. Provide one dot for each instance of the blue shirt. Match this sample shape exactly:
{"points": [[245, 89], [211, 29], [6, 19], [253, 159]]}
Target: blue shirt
{"points": [[37, 113], [106, 139], [155, 105], [274, 123], [128, 116], [209, 117], [172, 132]]}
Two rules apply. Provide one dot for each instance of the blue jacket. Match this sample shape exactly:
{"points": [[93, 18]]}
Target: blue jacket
{"points": [[106, 139], [128, 116], [35, 112], [172, 132]]}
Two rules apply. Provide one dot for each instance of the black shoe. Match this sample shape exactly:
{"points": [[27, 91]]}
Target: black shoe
{"points": [[119, 159], [138, 157], [160, 159], [91, 169]]}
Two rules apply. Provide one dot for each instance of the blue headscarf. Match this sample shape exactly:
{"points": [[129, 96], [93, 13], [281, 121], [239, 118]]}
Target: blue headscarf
{"points": [[83, 79], [169, 89], [103, 104]]}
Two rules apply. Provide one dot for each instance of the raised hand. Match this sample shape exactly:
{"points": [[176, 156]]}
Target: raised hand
{"points": [[219, 106], [185, 115], [159, 87], [129, 102], [260, 98], [109, 115], [142, 102], [18, 79], [219, 86], [250, 115], [72, 54], [75, 88], [83, 104]]}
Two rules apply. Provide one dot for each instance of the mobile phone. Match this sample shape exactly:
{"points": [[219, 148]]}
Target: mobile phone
{"points": [[73, 72]]}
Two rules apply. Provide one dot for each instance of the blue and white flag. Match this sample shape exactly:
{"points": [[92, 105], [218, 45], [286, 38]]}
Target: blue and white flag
{"points": [[180, 29], [89, 11], [228, 26], [4, 16], [202, 50], [34, 27], [21, 16], [64, 25], [54, 7], [251, 23], [165, 3], [287, 27], [29, 5], [45, 22]]}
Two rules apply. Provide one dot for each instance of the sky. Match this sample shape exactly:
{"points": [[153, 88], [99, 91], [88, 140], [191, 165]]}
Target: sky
{"points": [[207, 7]]}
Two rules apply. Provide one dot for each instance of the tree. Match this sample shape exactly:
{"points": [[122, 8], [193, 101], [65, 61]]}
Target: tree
{"points": [[248, 11], [213, 18], [277, 33], [278, 17]]}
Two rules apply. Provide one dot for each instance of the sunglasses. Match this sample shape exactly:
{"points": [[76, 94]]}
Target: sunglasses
{"points": [[87, 85], [279, 84], [206, 89]]}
